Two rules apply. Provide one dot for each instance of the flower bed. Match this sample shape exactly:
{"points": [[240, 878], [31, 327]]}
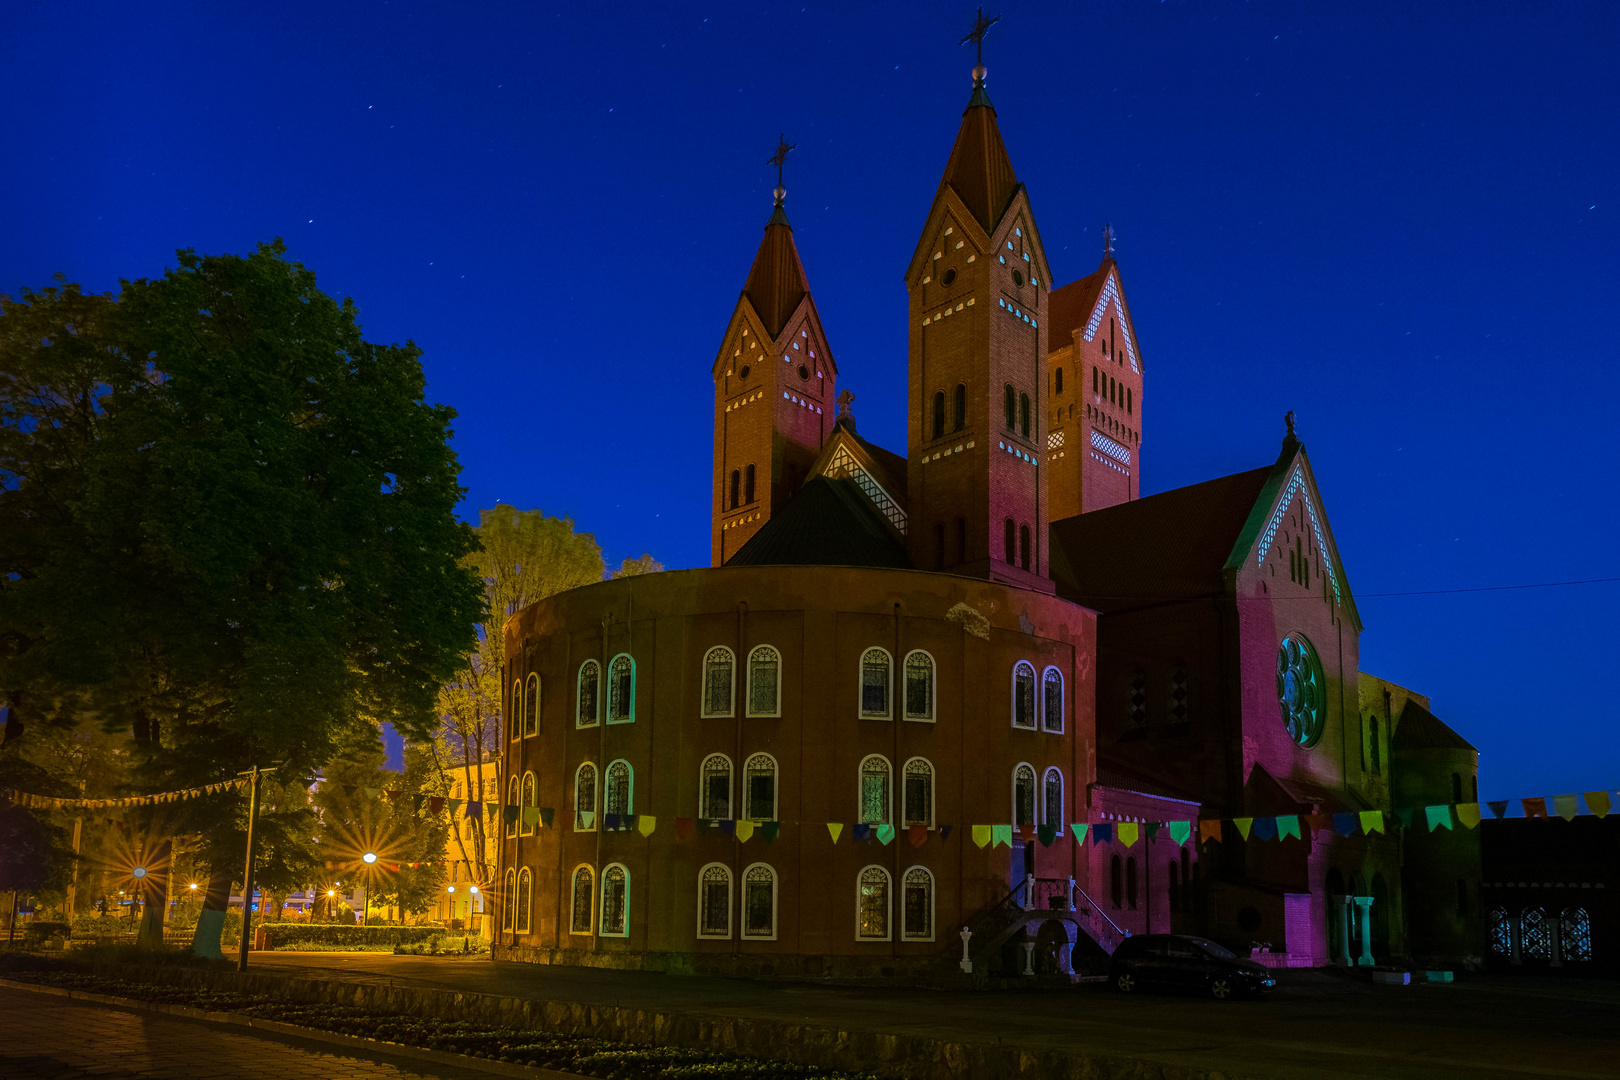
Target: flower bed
{"points": [[334, 936], [584, 1057]]}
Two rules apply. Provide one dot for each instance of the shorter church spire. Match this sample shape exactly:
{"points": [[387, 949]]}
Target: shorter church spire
{"points": [[981, 27], [776, 283]]}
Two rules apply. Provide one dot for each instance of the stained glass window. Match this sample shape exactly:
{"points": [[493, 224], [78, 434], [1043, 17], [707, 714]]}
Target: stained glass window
{"points": [[1023, 795], [714, 901], [1180, 711], [875, 684], [764, 682], [585, 797], [512, 799], [717, 666], [525, 800], [1052, 800], [1577, 935], [1299, 690], [510, 907], [590, 678], [1536, 934], [525, 900], [1501, 932], [619, 789], [715, 795], [919, 686], [514, 714], [872, 904], [759, 788], [918, 905], [1052, 699], [584, 898], [874, 791], [759, 901], [1023, 695], [615, 901], [919, 792], [621, 690], [531, 711]]}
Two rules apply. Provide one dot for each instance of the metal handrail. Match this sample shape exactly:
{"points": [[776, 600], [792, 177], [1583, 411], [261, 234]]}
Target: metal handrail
{"points": [[1097, 910]]}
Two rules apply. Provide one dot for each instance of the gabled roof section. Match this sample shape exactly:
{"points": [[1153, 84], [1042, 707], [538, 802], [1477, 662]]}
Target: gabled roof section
{"points": [[1291, 476], [879, 474], [979, 170], [829, 522], [1420, 729], [776, 283], [1083, 305], [1163, 547]]}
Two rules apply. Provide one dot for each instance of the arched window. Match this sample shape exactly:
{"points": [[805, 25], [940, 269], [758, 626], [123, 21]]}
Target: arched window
{"points": [[1023, 415], [917, 905], [1052, 799], [748, 485], [1130, 882], [1577, 935], [531, 712], [960, 420], [585, 798], [584, 899], [590, 697], [1116, 881], [1129, 407], [512, 799], [1010, 400], [1137, 719], [1058, 381], [714, 901], [874, 791], [759, 788], [872, 904], [1499, 932], [1010, 528], [714, 788], [919, 685], [509, 905], [1456, 788], [621, 689], [1537, 935], [764, 682], [759, 903], [1372, 738], [1179, 706], [939, 414], [875, 684], [514, 714], [620, 794], [736, 488], [1094, 378], [615, 901], [717, 681], [1023, 794], [525, 900], [526, 799], [1023, 702], [1113, 391], [919, 793], [1023, 546], [1052, 699]]}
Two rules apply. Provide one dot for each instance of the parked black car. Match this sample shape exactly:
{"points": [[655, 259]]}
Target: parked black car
{"points": [[1184, 962]]}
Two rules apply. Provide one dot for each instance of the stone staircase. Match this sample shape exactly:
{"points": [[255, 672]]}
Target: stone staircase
{"points": [[1030, 903]]}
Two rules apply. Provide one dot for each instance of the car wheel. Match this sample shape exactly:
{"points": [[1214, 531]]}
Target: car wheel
{"points": [[1221, 988], [1125, 982]]}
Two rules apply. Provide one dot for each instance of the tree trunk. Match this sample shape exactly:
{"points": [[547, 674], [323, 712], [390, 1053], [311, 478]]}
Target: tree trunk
{"points": [[211, 919], [155, 899]]}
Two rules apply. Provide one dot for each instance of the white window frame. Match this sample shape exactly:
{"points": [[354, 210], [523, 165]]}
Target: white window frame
{"points": [[703, 788], [933, 897], [579, 686], [1063, 700], [1046, 776], [528, 790], [629, 795], [514, 792], [730, 904], [514, 715], [596, 797], [933, 688], [573, 896], [933, 775], [509, 907], [601, 901], [860, 685], [607, 697], [731, 685], [525, 916], [888, 899], [748, 706], [531, 705], [742, 901], [860, 790], [1035, 698], [1035, 794], [747, 795]]}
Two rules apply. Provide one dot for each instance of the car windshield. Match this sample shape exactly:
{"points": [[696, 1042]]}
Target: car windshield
{"points": [[1219, 952]]}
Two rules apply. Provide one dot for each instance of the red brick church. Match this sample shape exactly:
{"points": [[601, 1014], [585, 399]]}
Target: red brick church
{"points": [[776, 765]]}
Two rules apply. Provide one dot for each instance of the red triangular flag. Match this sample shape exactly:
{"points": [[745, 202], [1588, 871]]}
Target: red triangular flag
{"points": [[918, 834]]}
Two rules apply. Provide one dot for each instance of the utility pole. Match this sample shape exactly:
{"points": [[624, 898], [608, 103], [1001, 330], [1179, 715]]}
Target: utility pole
{"points": [[247, 873]]}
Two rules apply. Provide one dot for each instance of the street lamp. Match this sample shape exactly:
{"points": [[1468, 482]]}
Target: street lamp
{"points": [[370, 859]]}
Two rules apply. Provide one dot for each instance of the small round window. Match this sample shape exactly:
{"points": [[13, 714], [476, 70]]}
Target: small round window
{"points": [[949, 276], [743, 374], [804, 372], [1299, 690], [1018, 279]]}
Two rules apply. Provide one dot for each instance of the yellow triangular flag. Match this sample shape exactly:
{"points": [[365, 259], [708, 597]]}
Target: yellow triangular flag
{"points": [[1128, 832], [981, 835], [1468, 814], [1244, 824], [1372, 821], [1598, 803], [745, 829], [645, 824], [836, 829]]}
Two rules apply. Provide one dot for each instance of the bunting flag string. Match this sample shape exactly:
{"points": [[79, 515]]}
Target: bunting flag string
{"points": [[48, 802]]}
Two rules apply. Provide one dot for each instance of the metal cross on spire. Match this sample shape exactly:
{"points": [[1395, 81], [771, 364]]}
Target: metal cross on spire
{"points": [[783, 147], [1108, 241], [981, 27]]}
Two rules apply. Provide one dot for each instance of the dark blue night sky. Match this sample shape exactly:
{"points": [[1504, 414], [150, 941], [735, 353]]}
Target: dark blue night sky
{"points": [[1399, 222]]}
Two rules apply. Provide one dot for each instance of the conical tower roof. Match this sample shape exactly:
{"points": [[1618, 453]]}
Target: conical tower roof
{"points": [[979, 170], [776, 284]]}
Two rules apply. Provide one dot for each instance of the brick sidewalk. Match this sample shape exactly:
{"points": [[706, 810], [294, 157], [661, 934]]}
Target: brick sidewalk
{"points": [[52, 1038]]}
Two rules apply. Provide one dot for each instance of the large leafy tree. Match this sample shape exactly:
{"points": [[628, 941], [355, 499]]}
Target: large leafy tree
{"points": [[523, 556], [228, 527]]}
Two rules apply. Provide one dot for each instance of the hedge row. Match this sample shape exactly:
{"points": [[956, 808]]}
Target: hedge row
{"points": [[291, 935]]}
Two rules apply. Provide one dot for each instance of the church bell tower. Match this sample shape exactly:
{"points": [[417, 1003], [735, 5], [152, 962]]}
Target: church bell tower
{"points": [[977, 400], [774, 386]]}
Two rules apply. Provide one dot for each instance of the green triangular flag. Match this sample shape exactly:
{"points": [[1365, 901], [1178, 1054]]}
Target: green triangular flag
{"points": [[1439, 817], [1000, 834], [1180, 831], [1079, 833], [885, 834]]}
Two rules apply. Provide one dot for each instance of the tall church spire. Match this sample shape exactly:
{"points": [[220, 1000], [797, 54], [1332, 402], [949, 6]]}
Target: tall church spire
{"points": [[776, 284], [979, 170]]}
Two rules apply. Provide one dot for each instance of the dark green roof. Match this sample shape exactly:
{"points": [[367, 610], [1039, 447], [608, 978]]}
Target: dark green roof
{"points": [[1420, 729], [828, 523]]}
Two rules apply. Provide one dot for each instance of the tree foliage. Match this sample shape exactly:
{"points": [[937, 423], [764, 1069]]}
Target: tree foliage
{"points": [[635, 567]]}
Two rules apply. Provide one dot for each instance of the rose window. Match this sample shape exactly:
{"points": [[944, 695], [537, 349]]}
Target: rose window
{"points": [[1299, 690]]}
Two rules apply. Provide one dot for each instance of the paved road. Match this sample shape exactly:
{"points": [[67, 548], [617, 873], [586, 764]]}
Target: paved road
{"points": [[1318, 1025], [52, 1038]]}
